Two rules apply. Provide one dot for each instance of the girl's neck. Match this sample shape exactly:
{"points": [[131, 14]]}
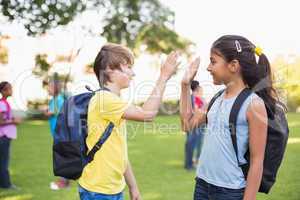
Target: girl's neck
{"points": [[234, 87], [4, 97], [113, 88]]}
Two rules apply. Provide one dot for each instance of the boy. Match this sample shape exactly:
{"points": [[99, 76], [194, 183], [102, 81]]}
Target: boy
{"points": [[106, 176], [55, 105]]}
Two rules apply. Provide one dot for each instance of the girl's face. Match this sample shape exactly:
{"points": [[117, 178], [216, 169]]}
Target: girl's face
{"points": [[219, 69], [123, 77], [7, 90]]}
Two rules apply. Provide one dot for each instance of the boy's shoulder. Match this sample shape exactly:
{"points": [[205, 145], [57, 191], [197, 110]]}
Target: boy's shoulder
{"points": [[107, 96], [107, 100], [108, 105]]}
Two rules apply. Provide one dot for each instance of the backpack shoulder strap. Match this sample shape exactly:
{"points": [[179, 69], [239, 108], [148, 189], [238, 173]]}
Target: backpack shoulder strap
{"points": [[107, 132], [98, 145], [212, 101], [233, 117]]}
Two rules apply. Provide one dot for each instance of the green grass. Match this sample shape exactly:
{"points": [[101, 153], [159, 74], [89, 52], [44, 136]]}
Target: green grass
{"points": [[156, 153]]}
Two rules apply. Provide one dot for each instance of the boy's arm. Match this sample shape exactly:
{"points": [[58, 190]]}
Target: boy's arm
{"points": [[189, 118], [48, 113], [149, 110], [131, 183]]}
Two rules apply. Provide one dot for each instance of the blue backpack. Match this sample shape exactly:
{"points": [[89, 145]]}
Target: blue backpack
{"points": [[70, 152]]}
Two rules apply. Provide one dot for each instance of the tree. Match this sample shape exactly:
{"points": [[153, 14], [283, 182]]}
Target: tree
{"points": [[3, 50], [287, 74], [43, 66], [129, 22]]}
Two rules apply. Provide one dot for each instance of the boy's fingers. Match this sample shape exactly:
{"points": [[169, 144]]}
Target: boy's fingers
{"points": [[177, 64], [197, 60]]}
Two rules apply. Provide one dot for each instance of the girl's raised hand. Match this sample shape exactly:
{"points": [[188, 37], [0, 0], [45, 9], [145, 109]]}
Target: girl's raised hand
{"points": [[191, 71]]}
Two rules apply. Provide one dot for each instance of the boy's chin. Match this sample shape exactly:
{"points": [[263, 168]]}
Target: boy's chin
{"points": [[125, 86]]}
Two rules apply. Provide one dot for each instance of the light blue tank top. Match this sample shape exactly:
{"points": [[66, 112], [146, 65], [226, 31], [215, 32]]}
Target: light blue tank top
{"points": [[218, 163]]}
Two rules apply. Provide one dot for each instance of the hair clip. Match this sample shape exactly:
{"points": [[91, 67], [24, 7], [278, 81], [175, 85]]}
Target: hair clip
{"points": [[238, 46]]}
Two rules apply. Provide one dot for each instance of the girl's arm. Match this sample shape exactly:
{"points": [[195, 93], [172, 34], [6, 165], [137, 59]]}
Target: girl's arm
{"points": [[257, 120], [189, 118], [7, 122]]}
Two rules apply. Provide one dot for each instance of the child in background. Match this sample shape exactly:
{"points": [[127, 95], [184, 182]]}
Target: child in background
{"points": [[198, 103], [193, 137], [8, 132], [55, 104]]}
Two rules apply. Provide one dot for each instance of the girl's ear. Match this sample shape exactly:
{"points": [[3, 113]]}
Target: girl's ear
{"points": [[234, 66]]}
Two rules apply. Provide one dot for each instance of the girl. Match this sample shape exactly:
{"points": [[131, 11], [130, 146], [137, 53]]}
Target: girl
{"points": [[234, 64], [8, 132]]}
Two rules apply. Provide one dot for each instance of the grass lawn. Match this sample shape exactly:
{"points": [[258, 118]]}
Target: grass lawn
{"points": [[156, 153]]}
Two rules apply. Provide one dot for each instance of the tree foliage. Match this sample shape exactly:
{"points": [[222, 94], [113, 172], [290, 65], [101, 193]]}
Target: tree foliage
{"points": [[3, 50], [287, 73], [129, 22]]}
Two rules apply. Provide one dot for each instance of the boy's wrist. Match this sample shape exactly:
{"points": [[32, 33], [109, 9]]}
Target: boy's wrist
{"points": [[163, 78]]}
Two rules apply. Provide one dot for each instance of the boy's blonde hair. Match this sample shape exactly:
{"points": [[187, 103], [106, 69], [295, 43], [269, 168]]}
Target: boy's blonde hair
{"points": [[112, 56]]}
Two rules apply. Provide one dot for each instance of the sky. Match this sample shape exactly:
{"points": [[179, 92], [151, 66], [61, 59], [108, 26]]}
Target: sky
{"points": [[272, 25]]}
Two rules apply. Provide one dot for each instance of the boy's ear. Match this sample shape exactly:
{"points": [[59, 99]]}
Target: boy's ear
{"points": [[234, 66], [108, 69]]}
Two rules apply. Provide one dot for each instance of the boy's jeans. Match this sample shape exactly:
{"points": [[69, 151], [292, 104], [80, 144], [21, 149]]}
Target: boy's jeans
{"points": [[206, 191], [87, 195]]}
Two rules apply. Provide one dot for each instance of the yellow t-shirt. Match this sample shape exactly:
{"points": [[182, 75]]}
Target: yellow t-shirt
{"points": [[105, 174]]}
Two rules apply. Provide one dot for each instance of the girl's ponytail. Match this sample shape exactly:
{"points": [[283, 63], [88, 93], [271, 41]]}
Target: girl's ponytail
{"points": [[264, 87]]}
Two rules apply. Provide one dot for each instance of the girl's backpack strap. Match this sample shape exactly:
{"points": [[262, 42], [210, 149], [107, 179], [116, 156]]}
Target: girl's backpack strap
{"points": [[234, 115], [212, 101]]}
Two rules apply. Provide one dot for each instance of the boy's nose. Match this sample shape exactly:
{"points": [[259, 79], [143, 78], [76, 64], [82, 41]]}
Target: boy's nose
{"points": [[132, 73], [208, 68]]}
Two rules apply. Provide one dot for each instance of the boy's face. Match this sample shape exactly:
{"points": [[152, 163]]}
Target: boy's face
{"points": [[122, 77], [218, 68], [51, 88]]}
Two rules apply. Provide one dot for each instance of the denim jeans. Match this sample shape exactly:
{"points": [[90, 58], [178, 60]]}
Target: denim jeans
{"points": [[206, 191], [87, 195], [4, 162], [199, 141], [190, 143]]}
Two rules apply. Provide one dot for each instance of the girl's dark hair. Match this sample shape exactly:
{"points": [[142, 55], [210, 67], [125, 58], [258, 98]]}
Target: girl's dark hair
{"points": [[256, 75], [2, 85]]}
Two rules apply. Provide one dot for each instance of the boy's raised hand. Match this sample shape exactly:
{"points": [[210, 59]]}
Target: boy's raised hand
{"points": [[191, 71], [169, 67]]}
